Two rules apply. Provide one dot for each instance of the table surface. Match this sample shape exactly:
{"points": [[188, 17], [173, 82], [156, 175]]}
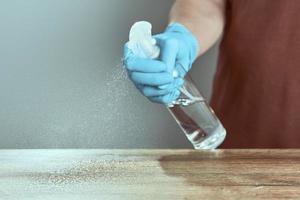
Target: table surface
{"points": [[149, 174]]}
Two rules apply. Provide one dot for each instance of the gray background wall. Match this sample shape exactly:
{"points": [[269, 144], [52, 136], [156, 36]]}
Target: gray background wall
{"points": [[61, 82]]}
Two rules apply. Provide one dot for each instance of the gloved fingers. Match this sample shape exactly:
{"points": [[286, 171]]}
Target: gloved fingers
{"points": [[134, 63], [152, 79], [150, 91], [177, 83], [166, 99], [169, 49]]}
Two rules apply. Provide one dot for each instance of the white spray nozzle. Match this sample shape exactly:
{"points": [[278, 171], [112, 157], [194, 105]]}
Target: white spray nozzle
{"points": [[141, 42]]}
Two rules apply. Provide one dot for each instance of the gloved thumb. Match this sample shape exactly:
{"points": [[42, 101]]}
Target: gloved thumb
{"points": [[169, 50], [181, 67]]}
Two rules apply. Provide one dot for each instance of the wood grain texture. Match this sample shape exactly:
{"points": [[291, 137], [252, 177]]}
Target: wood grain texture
{"points": [[149, 174]]}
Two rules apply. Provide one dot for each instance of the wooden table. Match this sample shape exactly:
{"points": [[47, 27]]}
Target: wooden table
{"points": [[149, 174]]}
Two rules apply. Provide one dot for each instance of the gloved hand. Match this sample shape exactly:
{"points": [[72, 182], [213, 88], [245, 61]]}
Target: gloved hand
{"points": [[154, 78]]}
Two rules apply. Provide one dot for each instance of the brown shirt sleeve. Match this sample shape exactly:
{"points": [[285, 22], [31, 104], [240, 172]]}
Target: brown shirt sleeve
{"points": [[256, 91]]}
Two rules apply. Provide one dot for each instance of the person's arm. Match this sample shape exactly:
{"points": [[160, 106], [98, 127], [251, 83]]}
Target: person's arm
{"points": [[204, 18]]}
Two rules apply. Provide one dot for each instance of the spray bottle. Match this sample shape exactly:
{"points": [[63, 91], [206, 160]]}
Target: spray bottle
{"points": [[190, 110]]}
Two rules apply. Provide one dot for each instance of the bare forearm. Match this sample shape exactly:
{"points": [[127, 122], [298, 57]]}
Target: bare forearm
{"points": [[204, 18]]}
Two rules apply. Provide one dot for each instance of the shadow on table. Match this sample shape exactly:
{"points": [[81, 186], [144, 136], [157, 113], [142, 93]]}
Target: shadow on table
{"points": [[196, 170], [194, 167]]}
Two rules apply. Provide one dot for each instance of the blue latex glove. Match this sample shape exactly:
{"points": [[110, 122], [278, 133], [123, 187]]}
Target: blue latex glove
{"points": [[154, 78]]}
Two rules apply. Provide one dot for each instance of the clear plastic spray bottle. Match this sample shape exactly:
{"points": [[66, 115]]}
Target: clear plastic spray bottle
{"points": [[190, 110]]}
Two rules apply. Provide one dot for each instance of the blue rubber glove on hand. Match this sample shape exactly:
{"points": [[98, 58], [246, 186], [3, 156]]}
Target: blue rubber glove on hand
{"points": [[154, 78]]}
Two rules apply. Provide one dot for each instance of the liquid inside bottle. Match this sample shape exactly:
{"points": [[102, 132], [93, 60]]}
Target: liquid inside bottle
{"points": [[198, 122]]}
